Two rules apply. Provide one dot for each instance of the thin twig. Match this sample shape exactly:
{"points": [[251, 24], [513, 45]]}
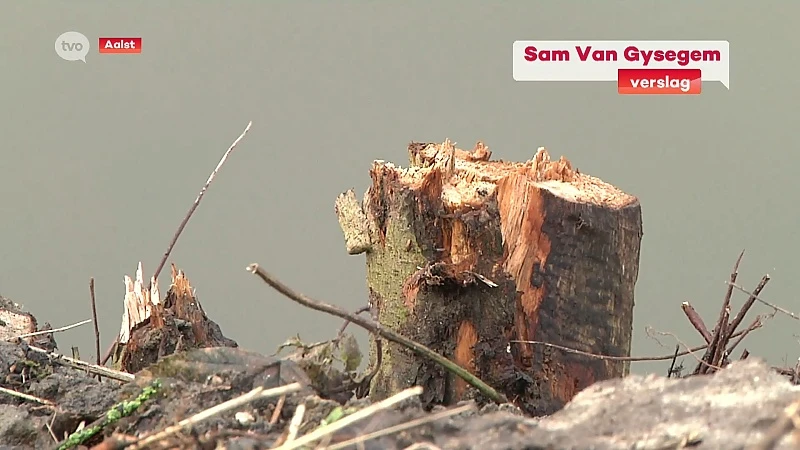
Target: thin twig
{"points": [[376, 329], [96, 325], [756, 323], [693, 355], [739, 317], [402, 427], [50, 426], [671, 370], [688, 351], [255, 394], [197, 202], [55, 330], [83, 365], [183, 223], [715, 352], [771, 305], [276, 413], [331, 428], [31, 398]]}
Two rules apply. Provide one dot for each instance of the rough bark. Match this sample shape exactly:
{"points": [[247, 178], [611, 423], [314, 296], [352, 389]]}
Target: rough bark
{"points": [[465, 255]]}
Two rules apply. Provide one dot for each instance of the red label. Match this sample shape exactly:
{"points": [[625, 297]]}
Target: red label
{"points": [[659, 81], [120, 45]]}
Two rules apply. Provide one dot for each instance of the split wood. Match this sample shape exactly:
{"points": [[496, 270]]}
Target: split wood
{"points": [[377, 329]]}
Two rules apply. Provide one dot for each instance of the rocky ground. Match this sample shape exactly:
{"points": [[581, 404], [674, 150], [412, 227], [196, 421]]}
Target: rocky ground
{"points": [[736, 408]]}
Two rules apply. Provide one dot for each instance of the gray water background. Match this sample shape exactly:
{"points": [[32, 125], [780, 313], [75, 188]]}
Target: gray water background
{"points": [[100, 161]]}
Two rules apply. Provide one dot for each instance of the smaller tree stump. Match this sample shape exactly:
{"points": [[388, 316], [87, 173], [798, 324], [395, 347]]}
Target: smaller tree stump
{"points": [[466, 255], [153, 328]]}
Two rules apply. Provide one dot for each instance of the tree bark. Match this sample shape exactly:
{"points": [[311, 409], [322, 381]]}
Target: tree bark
{"points": [[466, 255]]}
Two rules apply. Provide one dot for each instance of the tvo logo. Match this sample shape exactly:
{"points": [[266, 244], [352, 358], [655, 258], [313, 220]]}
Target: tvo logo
{"points": [[72, 46]]}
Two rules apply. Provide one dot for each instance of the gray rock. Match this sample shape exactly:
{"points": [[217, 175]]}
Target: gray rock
{"points": [[729, 410]]}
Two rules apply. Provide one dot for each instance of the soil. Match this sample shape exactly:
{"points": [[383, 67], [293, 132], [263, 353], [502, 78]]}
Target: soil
{"points": [[733, 408]]}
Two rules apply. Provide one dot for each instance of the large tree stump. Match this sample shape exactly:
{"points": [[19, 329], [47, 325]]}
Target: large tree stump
{"points": [[465, 255]]}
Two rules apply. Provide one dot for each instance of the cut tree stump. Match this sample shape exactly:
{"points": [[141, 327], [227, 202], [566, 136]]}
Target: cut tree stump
{"points": [[466, 255]]}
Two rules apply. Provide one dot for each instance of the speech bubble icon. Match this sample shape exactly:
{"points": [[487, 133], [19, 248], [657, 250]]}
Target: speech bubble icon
{"points": [[72, 46]]}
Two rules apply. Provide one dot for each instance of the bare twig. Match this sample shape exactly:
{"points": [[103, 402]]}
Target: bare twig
{"points": [[50, 426], [715, 351], [183, 223], [331, 428], [83, 365], [30, 398], [376, 329], [55, 330], [739, 317], [696, 321], [197, 202], [671, 370], [688, 351], [673, 336], [276, 414], [756, 323], [401, 427], [771, 305], [255, 394], [96, 325]]}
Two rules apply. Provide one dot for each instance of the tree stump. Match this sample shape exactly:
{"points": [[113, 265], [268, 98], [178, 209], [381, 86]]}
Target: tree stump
{"points": [[154, 327], [466, 255]]}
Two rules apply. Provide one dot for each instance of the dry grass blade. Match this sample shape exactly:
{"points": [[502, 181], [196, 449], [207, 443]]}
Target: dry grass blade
{"points": [[402, 427], [255, 394], [331, 428], [55, 330], [30, 398], [422, 446], [297, 421], [83, 365]]}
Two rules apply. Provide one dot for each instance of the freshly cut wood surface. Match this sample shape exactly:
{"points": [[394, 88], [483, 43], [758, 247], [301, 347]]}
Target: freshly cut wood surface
{"points": [[465, 255]]}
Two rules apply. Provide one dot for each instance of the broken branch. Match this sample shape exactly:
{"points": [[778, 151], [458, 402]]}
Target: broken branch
{"points": [[378, 330]]}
